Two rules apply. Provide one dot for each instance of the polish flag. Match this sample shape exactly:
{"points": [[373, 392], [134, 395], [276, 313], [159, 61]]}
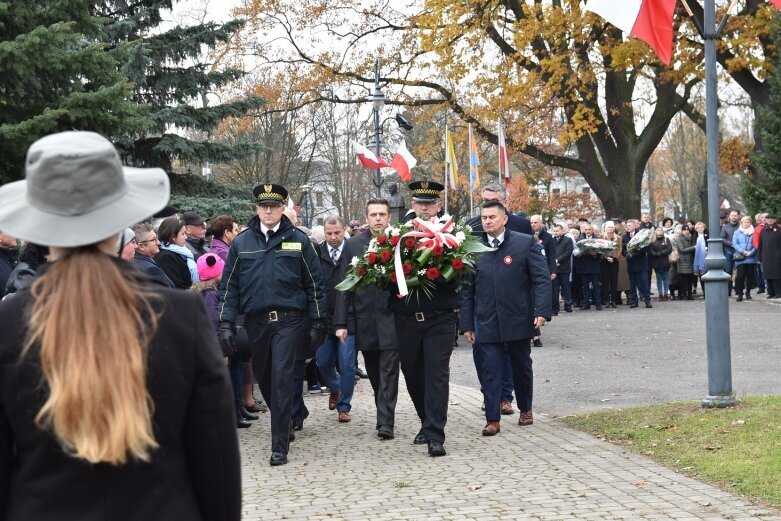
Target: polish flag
{"points": [[403, 162], [776, 3], [368, 158], [649, 20], [504, 157]]}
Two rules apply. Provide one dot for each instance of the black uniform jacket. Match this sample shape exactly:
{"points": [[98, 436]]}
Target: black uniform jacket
{"points": [[282, 275], [194, 474], [562, 248], [365, 312], [333, 274], [638, 262], [508, 289]]}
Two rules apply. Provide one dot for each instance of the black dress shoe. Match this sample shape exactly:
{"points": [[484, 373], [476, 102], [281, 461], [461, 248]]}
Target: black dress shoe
{"points": [[298, 422], [586, 307], [360, 372], [537, 342], [241, 423], [246, 415], [648, 304], [599, 307], [633, 305], [435, 448], [420, 439], [278, 458], [253, 408], [568, 310], [385, 432]]}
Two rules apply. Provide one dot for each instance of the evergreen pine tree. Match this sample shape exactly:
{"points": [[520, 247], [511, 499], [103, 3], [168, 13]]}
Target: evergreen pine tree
{"points": [[172, 79], [762, 189], [56, 75]]}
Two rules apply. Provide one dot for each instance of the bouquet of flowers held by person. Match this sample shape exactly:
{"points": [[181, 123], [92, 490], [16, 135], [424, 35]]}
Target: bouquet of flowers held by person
{"points": [[602, 246], [641, 239], [414, 255]]}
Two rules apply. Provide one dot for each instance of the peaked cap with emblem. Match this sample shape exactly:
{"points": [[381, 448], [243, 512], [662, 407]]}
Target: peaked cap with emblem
{"points": [[425, 190], [269, 193]]}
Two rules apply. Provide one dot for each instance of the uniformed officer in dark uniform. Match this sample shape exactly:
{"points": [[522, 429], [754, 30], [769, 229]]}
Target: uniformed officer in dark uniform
{"points": [[424, 327], [273, 276]]}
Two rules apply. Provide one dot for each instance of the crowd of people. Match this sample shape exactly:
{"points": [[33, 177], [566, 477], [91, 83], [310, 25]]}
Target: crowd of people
{"points": [[268, 313]]}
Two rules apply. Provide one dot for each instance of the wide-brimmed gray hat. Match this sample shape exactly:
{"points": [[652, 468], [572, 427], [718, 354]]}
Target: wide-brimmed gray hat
{"points": [[77, 192]]}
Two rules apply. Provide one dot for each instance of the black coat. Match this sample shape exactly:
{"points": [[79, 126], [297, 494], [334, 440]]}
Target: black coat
{"points": [[586, 263], [175, 267], [194, 475], [549, 249], [7, 263], [150, 267], [659, 253], [562, 253], [509, 288], [333, 274], [638, 262], [365, 313], [770, 251]]}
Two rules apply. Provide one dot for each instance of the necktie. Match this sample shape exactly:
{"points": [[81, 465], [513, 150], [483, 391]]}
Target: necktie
{"points": [[495, 243], [269, 233], [334, 254]]}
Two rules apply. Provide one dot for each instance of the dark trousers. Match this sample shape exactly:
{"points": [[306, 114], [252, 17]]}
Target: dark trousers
{"points": [[298, 407], [638, 282], [760, 277], [591, 292], [577, 289], [236, 369], [686, 281], [744, 279], [729, 263], [382, 366], [424, 352], [507, 371], [493, 367], [273, 346], [561, 285], [609, 281], [773, 287]]}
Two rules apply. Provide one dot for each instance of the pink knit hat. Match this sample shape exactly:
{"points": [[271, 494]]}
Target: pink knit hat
{"points": [[210, 266]]}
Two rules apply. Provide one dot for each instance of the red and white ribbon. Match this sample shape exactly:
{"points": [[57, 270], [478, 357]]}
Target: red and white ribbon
{"points": [[431, 234]]}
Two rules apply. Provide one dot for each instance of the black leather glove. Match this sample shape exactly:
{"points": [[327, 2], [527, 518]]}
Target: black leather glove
{"points": [[317, 333], [228, 336]]}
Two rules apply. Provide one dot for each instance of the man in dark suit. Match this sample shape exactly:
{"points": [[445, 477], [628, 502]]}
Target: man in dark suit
{"points": [[517, 276], [333, 260], [545, 240], [637, 266], [364, 314], [590, 270], [562, 257]]}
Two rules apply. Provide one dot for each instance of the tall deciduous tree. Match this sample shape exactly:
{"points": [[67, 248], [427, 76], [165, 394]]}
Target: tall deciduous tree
{"points": [[536, 65], [56, 75]]}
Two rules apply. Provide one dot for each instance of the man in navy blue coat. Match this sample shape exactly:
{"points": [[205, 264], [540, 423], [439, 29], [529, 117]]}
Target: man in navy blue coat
{"points": [[508, 298]]}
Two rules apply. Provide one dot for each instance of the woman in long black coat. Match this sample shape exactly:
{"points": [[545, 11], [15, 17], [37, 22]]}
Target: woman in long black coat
{"points": [[770, 256]]}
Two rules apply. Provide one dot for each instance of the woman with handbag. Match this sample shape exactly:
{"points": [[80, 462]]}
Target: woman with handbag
{"points": [[745, 258], [114, 400]]}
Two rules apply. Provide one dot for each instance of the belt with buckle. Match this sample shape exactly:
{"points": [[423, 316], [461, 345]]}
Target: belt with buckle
{"points": [[274, 316], [420, 316]]}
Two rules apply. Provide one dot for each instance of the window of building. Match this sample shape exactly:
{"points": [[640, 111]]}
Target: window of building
{"points": [[319, 198], [586, 190], [556, 191]]}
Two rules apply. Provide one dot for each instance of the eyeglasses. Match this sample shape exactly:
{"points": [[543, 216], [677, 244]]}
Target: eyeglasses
{"points": [[155, 239]]}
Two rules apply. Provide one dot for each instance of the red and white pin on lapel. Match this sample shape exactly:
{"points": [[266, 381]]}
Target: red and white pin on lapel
{"points": [[508, 260]]}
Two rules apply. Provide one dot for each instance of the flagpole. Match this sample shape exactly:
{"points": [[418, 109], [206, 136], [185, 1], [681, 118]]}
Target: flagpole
{"points": [[447, 166], [499, 155], [471, 182]]}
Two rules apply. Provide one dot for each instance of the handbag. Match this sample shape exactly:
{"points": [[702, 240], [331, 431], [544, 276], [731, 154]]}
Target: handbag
{"points": [[737, 257], [673, 256]]}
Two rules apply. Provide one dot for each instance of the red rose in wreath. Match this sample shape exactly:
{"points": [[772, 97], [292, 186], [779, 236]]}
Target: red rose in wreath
{"points": [[406, 268], [382, 239], [437, 251], [432, 273], [409, 243], [394, 240], [457, 264], [371, 258], [361, 271], [386, 256], [393, 277]]}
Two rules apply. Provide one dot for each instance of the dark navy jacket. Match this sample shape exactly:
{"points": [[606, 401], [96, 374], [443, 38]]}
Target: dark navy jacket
{"points": [[509, 288], [585, 263], [282, 275], [151, 268], [515, 223], [636, 263]]}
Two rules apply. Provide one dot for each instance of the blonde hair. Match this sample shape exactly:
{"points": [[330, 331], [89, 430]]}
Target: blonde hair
{"points": [[93, 329]]}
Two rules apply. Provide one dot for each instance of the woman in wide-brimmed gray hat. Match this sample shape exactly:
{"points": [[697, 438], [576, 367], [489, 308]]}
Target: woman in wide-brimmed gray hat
{"points": [[93, 425]]}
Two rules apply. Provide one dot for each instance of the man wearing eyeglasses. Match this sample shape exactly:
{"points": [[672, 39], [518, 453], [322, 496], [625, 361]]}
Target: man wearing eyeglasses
{"points": [[147, 246]]}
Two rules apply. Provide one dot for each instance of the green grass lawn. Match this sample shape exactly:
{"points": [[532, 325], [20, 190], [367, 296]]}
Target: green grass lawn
{"points": [[738, 449]]}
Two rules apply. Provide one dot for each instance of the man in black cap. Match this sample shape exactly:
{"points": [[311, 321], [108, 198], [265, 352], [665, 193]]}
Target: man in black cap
{"points": [[273, 276], [195, 228], [425, 324]]}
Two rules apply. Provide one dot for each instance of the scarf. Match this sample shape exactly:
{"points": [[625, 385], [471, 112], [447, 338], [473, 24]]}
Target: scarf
{"points": [[188, 256], [747, 231]]}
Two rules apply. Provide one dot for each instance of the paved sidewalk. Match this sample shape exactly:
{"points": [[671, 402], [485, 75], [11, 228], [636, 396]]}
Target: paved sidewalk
{"points": [[546, 471]]}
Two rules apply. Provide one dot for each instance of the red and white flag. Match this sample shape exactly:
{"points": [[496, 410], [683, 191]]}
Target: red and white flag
{"points": [[776, 3], [403, 162], [504, 157], [368, 158], [649, 20]]}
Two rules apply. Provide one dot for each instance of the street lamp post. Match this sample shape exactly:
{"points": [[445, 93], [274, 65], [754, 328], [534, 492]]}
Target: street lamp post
{"points": [[305, 203], [378, 101], [716, 281]]}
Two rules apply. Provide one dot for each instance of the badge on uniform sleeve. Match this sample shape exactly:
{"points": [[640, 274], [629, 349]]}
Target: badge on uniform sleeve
{"points": [[291, 246], [508, 260]]}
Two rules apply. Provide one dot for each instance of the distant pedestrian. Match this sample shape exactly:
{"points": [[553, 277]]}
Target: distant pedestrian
{"points": [[745, 258], [175, 259]]}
